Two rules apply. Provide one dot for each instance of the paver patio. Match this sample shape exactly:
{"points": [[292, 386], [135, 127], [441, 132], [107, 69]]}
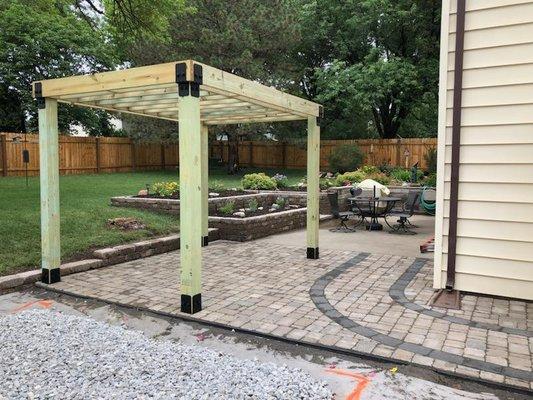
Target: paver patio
{"points": [[367, 303]]}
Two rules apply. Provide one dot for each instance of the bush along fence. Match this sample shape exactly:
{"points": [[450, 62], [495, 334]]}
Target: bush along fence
{"points": [[88, 155]]}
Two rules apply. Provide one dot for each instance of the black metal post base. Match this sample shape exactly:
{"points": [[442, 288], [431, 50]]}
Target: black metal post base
{"points": [[312, 253], [205, 241], [374, 226], [191, 304], [50, 276]]}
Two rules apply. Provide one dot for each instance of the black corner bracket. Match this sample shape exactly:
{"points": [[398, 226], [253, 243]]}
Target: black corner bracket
{"points": [[312, 253], [185, 87], [205, 241], [50, 276], [39, 95], [191, 304], [320, 118]]}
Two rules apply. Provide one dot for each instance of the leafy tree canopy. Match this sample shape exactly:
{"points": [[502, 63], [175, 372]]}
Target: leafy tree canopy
{"points": [[43, 39]]}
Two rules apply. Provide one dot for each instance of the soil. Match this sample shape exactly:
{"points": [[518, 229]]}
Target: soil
{"points": [[126, 224], [256, 213], [222, 193]]}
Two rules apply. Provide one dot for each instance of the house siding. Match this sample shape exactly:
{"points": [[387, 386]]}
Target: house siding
{"points": [[495, 200]]}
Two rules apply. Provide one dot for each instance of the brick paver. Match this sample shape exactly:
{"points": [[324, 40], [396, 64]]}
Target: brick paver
{"points": [[367, 303]]}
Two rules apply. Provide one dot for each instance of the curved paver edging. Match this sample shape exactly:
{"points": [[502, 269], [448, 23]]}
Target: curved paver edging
{"points": [[397, 293], [318, 296]]}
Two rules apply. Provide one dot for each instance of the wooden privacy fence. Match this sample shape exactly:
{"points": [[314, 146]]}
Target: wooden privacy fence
{"points": [[262, 154], [87, 155]]}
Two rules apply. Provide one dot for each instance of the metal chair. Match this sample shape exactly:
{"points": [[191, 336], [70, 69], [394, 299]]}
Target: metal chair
{"points": [[342, 216], [401, 228]]}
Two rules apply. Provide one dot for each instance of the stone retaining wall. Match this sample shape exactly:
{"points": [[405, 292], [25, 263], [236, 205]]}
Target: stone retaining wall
{"points": [[244, 229], [103, 258]]}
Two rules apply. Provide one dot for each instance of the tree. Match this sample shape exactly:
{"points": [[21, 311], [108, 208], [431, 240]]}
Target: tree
{"points": [[43, 39], [365, 55], [251, 38]]}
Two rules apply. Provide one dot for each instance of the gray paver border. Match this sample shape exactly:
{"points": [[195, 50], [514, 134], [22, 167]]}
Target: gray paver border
{"points": [[318, 296], [397, 293]]}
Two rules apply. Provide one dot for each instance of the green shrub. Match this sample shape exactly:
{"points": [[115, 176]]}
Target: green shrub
{"points": [[431, 180], [253, 205], [165, 189], [228, 208], [379, 177], [369, 169], [258, 182], [216, 186], [431, 161], [326, 183], [347, 157], [281, 202], [281, 181], [350, 178], [401, 175]]}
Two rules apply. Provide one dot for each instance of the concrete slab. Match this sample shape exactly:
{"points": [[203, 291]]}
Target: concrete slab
{"points": [[377, 242]]}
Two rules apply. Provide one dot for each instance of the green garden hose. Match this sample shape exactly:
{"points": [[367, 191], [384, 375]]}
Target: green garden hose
{"points": [[427, 205]]}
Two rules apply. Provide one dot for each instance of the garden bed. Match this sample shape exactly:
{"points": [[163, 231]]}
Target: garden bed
{"points": [[212, 194]]}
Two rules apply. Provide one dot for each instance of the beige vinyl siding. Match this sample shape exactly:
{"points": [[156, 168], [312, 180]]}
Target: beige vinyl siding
{"points": [[495, 208]]}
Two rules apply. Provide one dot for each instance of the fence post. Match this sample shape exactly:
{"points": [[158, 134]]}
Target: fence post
{"points": [[163, 161], [3, 141], [97, 145], [284, 154], [133, 165], [398, 144], [251, 149]]}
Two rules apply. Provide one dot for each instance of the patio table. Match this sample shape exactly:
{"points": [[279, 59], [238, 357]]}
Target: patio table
{"points": [[373, 210]]}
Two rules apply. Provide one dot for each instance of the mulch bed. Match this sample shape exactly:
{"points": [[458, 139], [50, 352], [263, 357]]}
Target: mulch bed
{"points": [[223, 193], [256, 213]]}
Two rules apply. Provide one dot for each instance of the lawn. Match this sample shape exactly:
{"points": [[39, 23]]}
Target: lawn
{"points": [[84, 211]]}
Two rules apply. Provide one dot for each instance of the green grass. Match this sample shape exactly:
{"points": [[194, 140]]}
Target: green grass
{"points": [[84, 211]]}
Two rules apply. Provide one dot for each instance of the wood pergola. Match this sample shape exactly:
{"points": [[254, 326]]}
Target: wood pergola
{"points": [[196, 95]]}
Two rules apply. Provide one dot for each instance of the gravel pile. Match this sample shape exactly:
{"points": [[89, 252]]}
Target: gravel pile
{"points": [[45, 354]]}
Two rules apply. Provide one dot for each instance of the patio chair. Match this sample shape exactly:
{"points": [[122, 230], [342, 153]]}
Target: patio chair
{"points": [[342, 216], [401, 228]]}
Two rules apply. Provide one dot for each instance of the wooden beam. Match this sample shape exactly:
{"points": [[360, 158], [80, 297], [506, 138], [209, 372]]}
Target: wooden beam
{"points": [[251, 120], [49, 176], [313, 187], [216, 79], [190, 154], [205, 185], [140, 77]]}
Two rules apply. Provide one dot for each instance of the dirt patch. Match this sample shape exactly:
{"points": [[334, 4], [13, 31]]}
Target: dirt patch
{"points": [[126, 224]]}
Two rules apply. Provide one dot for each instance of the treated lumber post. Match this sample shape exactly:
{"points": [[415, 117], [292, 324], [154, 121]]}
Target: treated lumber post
{"points": [[3, 143], [49, 175], [205, 185], [313, 189], [190, 144], [251, 155]]}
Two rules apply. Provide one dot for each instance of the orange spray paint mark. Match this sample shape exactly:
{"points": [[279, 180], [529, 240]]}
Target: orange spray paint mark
{"points": [[39, 303], [362, 382]]}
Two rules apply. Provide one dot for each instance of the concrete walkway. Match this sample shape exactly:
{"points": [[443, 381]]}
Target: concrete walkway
{"points": [[360, 302]]}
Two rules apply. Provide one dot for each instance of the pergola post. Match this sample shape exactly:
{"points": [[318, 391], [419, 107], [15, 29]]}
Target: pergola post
{"points": [[313, 189], [49, 176], [205, 185], [190, 143]]}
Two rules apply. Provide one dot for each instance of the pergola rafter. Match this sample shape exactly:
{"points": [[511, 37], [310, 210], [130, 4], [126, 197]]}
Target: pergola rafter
{"points": [[197, 96]]}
